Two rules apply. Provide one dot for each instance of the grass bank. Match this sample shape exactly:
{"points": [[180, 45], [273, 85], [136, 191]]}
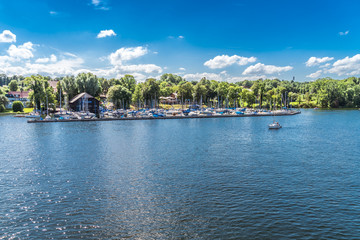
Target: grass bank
{"points": [[10, 111]]}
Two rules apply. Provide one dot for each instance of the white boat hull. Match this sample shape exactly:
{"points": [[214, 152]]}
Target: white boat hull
{"points": [[274, 126]]}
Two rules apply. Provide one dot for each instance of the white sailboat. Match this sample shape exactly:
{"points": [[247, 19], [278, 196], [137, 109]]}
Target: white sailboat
{"points": [[274, 125]]}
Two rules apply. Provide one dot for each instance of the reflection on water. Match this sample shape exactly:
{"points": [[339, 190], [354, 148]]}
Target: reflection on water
{"points": [[186, 178]]}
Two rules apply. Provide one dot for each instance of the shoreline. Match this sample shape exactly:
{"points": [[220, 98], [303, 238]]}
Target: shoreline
{"points": [[162, 118]]}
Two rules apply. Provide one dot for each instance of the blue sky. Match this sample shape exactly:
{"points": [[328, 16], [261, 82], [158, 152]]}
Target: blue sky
{"points": [[222, 40]]}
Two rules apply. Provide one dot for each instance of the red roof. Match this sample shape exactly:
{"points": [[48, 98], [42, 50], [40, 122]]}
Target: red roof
{"points": [[53, 85], [19, 94]]}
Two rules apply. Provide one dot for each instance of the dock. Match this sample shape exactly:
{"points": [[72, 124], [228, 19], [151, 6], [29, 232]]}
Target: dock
{"points": [[289, 113]]}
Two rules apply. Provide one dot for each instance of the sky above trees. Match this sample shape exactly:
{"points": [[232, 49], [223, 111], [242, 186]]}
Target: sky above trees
{"points": [[221, 40]]}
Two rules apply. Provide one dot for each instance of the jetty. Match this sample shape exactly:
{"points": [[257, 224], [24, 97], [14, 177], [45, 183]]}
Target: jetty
{"points": [[130, 118]]}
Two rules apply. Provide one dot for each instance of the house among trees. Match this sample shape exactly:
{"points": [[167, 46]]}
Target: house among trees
{"points": [[172, 99], [13, 96], [85, 102]]}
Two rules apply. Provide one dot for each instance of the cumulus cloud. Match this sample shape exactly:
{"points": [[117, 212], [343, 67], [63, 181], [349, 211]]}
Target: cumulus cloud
{"points": [[346, 66], [7, 36], [119, 59], [21, 52], [262, 69], [52, 58], [106, 33], [147, 68], [182, 69], [222, 61], [63, 67], [199, 76], [20, 60], [181, 37], [66, 66], [344, 33], [53, 13], [126, 54], [325, 65], [314, 61], [315, 74], [250, 78]]}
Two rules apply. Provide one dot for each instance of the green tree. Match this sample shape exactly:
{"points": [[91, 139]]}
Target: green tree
{"points": [[171, 78], [105, 85], [4, 101], [151, 90], [41, 91], [119, 96], [88, 82], [129, 82], [69, 87], [200, 91], [13, 85], [233, 94], [137, 96], [166, 89], [185, 91]]}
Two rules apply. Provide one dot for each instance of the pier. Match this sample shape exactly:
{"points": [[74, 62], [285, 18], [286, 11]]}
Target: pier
{"points": [[287, 113]]}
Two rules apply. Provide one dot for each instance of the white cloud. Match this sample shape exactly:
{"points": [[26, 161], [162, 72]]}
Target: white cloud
{"points": [[100, 4], [346, 66], [95, 2], [53, 13], [262, 69], [222, 76], [344, 33], [62, 67], [119, 58], [69, 54], [199, 76], [315, 74], [314, 61], [250, 78], [222, 61], [126, 54], [147, 68], [182, 69], [20, 60], [52, 58], [7, 36], [181, 37], [325, 65], [21, 52], [42, 60], [106, 33]]}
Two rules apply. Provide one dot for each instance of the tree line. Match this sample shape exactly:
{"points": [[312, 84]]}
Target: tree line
{"points": [[126, 91]]}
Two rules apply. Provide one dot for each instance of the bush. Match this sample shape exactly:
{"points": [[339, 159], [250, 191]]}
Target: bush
{"points": [[2, 107], [29, 105], [17, 106]]}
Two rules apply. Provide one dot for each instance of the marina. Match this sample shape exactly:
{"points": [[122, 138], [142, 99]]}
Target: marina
{"points": [[157, 115]]}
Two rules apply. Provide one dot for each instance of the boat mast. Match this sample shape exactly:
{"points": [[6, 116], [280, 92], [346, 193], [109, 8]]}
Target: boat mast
{"points": [[60, 98]]}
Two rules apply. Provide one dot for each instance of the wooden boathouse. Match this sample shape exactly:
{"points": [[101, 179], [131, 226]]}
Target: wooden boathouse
{"points": [[84, 102]]}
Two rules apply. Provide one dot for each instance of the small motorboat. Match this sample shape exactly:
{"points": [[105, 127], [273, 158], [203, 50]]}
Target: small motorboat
{"points": [[275, 125]]}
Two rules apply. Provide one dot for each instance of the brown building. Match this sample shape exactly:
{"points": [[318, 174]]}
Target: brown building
{"points": [[84, 102]]}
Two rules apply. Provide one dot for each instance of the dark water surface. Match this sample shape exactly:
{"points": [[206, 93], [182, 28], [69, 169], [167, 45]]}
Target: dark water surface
{"points": [[228, 178]]}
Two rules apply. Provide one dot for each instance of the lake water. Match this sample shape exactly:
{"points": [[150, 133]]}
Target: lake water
{"points": [[228, 178]]}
